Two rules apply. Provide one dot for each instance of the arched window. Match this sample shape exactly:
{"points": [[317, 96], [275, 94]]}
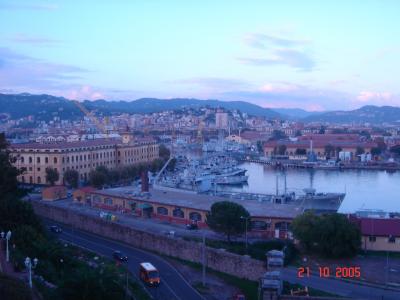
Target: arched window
{"points": [[177, 212], [195, 216], [162, 211], [96, 199]]}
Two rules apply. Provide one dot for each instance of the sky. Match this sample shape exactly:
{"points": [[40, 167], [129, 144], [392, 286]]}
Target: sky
{"points": [[313, 55]]}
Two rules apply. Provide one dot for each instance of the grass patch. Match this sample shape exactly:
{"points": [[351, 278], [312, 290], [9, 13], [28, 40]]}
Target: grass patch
{"points": [[248, 287]]}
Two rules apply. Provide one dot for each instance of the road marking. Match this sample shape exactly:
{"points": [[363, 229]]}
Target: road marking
{"points": [[139, 250], [106, 247], [91, 250]]}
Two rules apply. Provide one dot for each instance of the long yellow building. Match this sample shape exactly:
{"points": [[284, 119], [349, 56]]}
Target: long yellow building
{"points": [[82, 156]]}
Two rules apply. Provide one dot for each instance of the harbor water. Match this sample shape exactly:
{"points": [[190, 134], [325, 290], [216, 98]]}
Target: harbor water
{"points": [[364, 189]]}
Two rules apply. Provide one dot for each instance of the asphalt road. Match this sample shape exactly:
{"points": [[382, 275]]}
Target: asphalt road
{"points": [[340, 287], [173, 286]]}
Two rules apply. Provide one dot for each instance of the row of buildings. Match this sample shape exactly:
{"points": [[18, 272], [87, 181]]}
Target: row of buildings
{"points": [[82, 156], [323, 145]]}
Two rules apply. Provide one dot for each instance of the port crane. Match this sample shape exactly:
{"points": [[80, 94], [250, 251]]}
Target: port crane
{"points": [[99, 125]]}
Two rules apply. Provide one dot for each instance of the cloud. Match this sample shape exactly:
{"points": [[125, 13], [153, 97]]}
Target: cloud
{"points": [[33, 40], [37, 6], [84, 92], [377, 98], [367, 96], [214, 83], [262, 41], [290, 57], [277, 50], [18, 71]]}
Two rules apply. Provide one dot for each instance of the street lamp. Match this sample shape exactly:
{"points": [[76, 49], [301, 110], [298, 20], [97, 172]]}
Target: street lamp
{"points": [[8, 237], [245, 233], [29, 265]]}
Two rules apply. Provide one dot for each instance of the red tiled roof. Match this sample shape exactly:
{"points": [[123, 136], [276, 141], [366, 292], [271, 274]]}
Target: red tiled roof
{"points": [[330, 137], [321, 144], [66, 145], [380, 227], [87, 189]]}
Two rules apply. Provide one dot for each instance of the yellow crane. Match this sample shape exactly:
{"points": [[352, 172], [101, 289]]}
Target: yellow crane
{"points": [[99, 125]]}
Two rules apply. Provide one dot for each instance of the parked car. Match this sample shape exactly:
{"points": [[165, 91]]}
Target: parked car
{"points": [[55, 229], [118, 255]]}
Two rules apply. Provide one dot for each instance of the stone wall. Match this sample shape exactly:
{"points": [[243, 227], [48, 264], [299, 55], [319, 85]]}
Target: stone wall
{"points": [[219, 260]]}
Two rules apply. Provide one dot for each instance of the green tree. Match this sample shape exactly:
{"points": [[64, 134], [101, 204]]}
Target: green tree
{"points": [[360, 150], [86, 283], [9, 173], [331, 235], [337, 236], [71, 177], [282, 149], [278, 135], [329, 150], [228, 218], [376, 151], [260, 147], [97, 178], [300, 151], [164, 152], [171, 165], [303, 228], [52, 175]]}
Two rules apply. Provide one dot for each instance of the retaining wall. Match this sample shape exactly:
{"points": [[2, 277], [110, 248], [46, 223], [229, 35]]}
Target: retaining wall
{"points": [[219, 260]]}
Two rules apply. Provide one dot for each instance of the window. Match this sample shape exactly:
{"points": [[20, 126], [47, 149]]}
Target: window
{"points": [[55, 160], [392, 239], [38, 160], [372, 239], [195, 216], [177, 212], [39, 180], [38, 169], [22, 159], [46, 160], [108, 201], [162, 211]]}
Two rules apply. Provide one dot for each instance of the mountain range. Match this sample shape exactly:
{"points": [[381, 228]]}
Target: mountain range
{"points": [[45, 107]]}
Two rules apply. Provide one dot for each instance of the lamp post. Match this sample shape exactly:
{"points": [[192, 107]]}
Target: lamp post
{"points": [[7, 237], [245, 233], [29, 265]]}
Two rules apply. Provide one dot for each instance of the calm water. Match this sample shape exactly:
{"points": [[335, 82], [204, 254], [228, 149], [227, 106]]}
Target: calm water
{"points": [[364, 189]]}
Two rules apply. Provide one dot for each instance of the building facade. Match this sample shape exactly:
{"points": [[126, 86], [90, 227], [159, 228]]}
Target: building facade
{"points": [[267, 220], [380, 234], [81, 156]]}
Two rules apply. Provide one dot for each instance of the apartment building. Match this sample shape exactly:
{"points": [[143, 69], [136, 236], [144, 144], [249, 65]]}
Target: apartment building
{"points": [[82, 156]]}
